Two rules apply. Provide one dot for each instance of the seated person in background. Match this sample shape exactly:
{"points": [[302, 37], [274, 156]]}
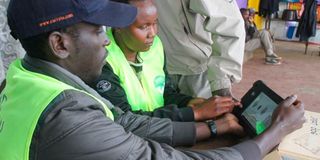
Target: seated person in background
{"points": [[47, 112], [256, 39], [135, 78]]}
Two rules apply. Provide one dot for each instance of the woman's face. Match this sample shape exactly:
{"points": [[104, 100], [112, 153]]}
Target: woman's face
{"points": [[138, 37]]}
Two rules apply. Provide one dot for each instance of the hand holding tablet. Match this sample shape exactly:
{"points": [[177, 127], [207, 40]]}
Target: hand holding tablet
{"points": [[267, 117], [259, 104]]}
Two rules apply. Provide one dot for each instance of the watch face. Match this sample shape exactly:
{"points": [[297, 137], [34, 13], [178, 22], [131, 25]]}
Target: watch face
{"points": [[213, 128]]}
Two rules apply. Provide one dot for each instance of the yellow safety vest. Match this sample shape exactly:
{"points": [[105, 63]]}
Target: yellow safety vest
{"points": [[25, 97], [146, 94]]}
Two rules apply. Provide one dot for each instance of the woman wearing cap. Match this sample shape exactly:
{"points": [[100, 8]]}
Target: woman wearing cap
{"points": [[134, 77]]}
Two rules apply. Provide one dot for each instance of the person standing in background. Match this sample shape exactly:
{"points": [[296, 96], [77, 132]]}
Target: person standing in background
{"points": [[204, 45]]}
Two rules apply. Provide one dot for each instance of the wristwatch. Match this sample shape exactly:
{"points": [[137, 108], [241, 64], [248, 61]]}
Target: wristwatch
{"points": [[213, 128]]}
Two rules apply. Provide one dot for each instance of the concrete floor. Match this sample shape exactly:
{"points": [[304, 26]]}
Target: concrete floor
{"points": [[298, 74]]}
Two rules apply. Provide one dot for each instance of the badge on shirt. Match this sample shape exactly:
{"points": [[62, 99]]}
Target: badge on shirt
{"points": [[103, 86], [159, 83]]}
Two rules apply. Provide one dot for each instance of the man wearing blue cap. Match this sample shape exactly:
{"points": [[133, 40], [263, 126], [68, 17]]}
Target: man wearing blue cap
{"points": [[69, 35], [48, 112]]}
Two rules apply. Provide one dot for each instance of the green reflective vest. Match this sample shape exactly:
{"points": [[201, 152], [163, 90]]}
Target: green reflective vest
{"points": [[146, 94], [25, 97]]}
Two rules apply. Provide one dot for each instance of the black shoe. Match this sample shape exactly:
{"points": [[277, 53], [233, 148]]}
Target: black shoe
{"points": [[272, 61], [274, 56]]}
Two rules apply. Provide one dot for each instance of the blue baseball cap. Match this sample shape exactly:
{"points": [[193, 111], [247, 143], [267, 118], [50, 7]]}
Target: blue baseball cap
{"points": [[252, 10], [28, 18]]}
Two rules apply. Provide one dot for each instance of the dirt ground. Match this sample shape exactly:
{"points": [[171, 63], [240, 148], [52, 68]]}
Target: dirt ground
{"points": [[298, 74]]}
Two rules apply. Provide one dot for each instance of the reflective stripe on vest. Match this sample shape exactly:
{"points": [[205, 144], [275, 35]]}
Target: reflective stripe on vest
{"points": [[146, 94], [25, 97]]}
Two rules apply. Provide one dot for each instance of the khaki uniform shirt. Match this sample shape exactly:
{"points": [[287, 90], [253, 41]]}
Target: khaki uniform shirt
{"points": [[200, 35]]}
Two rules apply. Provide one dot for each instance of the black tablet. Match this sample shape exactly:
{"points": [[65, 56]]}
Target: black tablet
{"points": [[258, 106]]}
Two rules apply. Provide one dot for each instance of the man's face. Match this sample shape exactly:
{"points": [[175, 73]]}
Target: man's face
{"points": [[252, 15], [87, 51], [245, 15], [139, 36]]}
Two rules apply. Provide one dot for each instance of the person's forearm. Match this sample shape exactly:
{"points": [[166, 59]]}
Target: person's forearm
{"points": [[269, 139], [202, 131], [172, 96], [249, 150], [172, 112], [162, 130]]}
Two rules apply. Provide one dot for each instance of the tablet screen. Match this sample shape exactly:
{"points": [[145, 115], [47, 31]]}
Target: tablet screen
{"points": [[259, 112]]}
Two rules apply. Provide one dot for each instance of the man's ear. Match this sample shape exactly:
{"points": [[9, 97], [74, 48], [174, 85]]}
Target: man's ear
{"points": [[58, 45]]}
